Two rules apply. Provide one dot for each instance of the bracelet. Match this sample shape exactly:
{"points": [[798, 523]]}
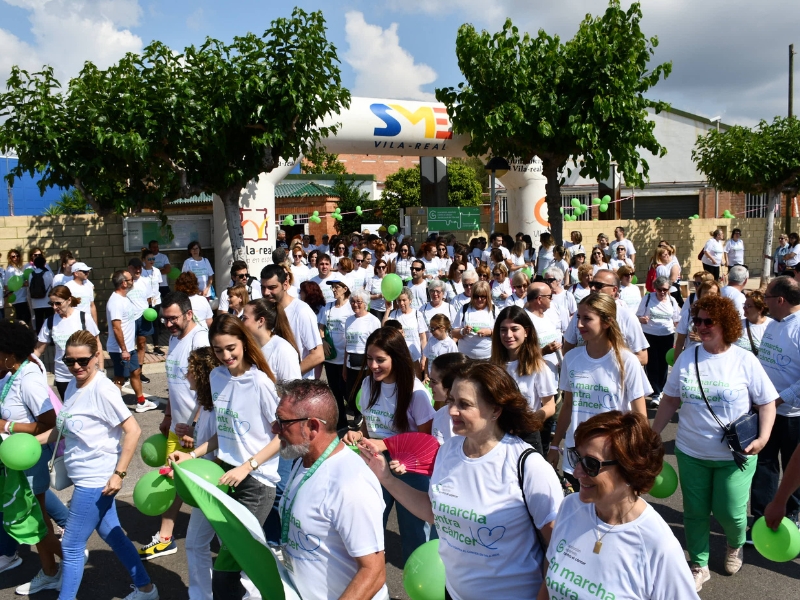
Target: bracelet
{"points": [[193, 454], [11, 427], [5, 428]]}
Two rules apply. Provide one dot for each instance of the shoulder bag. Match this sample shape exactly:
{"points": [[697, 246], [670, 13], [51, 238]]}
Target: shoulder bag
{"points": [[739, 434], [59, 479], [750, 337]]}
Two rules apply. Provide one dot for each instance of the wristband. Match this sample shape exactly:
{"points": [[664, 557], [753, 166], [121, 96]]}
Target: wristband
{"points": [[5, 428], [193, 454], [11, 428]]}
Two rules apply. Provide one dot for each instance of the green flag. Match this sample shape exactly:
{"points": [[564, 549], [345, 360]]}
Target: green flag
{"points": [[244, 547], [22, 515]]}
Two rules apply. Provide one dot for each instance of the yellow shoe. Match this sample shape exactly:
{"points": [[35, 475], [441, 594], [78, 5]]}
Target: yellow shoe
{"points": [[157, 548]]}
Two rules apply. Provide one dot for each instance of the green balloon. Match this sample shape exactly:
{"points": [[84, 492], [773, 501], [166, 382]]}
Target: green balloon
{"points": [[12, 298], [527, 271], [666, 482], [696, 216], [354, 448], [561, 210], [634, 280], [606, 199], [14, 283], [358, 400], [359, 212], [778, 546], [575, 203], [392, 229], [20, 451], [603, 207], [174, 273], [150, 314], [154, 451], [596, 201], [154, 494], [584, 207], [670, 357], [391, 286], [206, 469], [26, 274], [423, 575]]}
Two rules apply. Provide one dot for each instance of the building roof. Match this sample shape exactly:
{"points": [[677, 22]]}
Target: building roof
{"points": [[300, 189], [199, 199]]}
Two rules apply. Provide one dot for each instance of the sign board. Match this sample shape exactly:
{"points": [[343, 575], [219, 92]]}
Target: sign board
{"points": [[454, 218], [138, 231]]}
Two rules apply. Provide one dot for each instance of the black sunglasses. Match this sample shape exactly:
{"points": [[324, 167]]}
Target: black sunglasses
{"points": [[549, 280], [590, 464], [417, 268], [599, 285], [698, 321], [83, 361]]}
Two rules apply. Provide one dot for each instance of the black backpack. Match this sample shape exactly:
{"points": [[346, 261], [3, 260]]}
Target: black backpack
{"points": [[36, 287]]}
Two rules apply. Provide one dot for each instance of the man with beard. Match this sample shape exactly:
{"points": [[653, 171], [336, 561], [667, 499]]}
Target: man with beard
{"points": [[331, 510]]}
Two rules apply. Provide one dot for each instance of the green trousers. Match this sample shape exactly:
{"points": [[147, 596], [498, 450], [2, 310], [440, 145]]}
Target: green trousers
{"points": [[716, 486]]}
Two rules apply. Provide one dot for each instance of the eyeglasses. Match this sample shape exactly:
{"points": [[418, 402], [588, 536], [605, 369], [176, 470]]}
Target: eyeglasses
{"points": [[549, 280], [380, 267], [496, 274], [590, 464], [468, 285], [35, 254], [417, 268], [82, 361], [698, 321], [171, 320], [662, 291], [480, 297], [241, 276], [599, 285], [357, 302], [519, 287], [460, 270], [55, 304], [280, 424], [150, 259]]}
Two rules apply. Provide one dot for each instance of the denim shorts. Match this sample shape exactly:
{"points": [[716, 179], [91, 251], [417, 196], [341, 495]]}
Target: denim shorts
{"points": [[124, 368], [144, 327], [39, 475]]}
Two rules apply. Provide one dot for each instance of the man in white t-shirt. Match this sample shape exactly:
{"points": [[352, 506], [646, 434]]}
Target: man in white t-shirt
{"points": [[418, 285], [275, 288], [468, 279], [324, 247], [239, 275], [497, 242], [737, 279], [324, 269], [66, 274], [83, 289], [619, 234], [140, 295], [162, 264], [334, 544]]}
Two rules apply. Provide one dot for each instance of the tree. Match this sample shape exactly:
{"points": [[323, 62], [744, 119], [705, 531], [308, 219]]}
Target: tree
{"points": [[71, 202], [400, 190], [160, 126], [463, 186], [757, 161], [526, 97], [350, 197], [319, 162]]}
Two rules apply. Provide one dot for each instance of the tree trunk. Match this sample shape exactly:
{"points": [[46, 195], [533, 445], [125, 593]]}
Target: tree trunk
{"points": [[553, 189], [774, 199], [230, 200]]}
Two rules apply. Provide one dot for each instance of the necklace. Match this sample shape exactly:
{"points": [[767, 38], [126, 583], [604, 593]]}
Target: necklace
{"points": [[598, 545]]}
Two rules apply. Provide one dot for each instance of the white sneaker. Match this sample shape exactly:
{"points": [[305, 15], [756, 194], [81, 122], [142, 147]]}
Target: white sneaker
{"points": [[733, 560], [138, 594], [655, 400], [9, 562], [39, 583], [701, 575], [142, 407]]}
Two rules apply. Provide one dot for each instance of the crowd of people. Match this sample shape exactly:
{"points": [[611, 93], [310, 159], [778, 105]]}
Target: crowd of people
{"points": [[530, 366]]}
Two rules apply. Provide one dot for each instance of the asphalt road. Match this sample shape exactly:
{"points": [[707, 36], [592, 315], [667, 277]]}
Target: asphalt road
{"points": [[105, 578]]}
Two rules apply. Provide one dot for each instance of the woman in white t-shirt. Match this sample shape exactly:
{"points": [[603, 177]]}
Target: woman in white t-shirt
{"points": [[475, 322], [357, 329], [713, 253], [601, 376], [377, 304], [300, 271], [501, 286], [791, 258], [57, 330], [734, 249], [545, 255], [517, 257], [621, 259], [187, 283], [687, 337], [610, 538], [330, 320], [515, 347], [629, 292], [443, 370], [443, 259], [338, 253], [402, 264], [659, 315], [393, 400], [490, 525], [582, 289], [201, 268], [245, 400], [598, 260], [391, 251], [577, 260], [734, 383], [268, 324], [97, 459], [415, 330], [755, 321], [454, 286]]}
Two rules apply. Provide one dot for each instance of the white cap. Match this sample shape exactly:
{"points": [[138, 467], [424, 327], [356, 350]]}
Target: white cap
{"points": [[81, 266]]}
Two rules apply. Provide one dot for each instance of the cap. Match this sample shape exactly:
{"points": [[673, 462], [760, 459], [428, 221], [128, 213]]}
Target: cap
{"points": [[81, 266], [345, 281]]}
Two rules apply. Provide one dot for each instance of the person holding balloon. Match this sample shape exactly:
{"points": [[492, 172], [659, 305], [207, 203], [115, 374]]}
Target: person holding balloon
{"points": [[711, 394], [377, 303], [609, 536], [96, 458], [402, 264]]}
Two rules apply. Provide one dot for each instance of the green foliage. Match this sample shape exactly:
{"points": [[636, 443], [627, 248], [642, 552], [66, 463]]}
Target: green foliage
{"points": [[71, 202], [400, 190], [536, 96], [463, 186], [319, 162], [476, 164], [350, 196]]}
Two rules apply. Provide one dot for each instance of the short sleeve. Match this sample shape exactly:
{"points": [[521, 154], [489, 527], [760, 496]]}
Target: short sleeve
{"points": [[35, 395], [322, 316], [459, 320], [357, 511], [421, 411], [571, 335], [642, 306], [224, 302], [110, 405], [543, 492], [208, 264], [186, 266], [115, 311], [545, 382], [634, 387], [91, 326], [761, 389], [45, 335], [421, 327]]}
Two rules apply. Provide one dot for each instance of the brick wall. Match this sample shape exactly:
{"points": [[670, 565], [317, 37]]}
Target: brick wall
{"points": [[307, 205], [375, 164]]}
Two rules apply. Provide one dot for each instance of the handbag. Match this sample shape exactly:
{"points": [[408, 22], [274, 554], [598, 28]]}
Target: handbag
{"points": [[739, 434], [59, 479]]}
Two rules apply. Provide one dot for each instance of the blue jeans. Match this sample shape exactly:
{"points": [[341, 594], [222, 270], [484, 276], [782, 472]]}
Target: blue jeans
{"points": [[272, 528], [413, 531], [90, 510]]}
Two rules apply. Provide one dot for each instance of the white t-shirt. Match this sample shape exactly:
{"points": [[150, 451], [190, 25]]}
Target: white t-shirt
{"points": [[84, 292], [631, 295], [544, 259], [630, 250], [379, 419], [304, 326], [356, 332], [138, 294], [733, 381], [373, 286], [615, 263], [429, 311], [327, 291], [600, 267], [358, 278], [282, 358], [442, 426], [300, 274], [486, 540], [500, 288], [756, 333], [253, 293], [792, 262], [486, 254], [565, 302], [119, 308], [736, 296], [27, 398], [640, 560], [435, 348], [431, 267], [735, 251], [334, 317], [336, 517], [628, 324], [535, 386], [61, 279], [182, 400], [663, 315], [62, 329], [156, 279], [716, 250], [202, 270], [547, 332], [245, 407], [161, 260], [471, 344], [91, 419], [452, 290], [419, 294], [779, 355], [201, 309], [596, 387], [47, 275], [413, 325]]}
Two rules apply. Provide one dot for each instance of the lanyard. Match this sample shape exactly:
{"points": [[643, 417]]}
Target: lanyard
{"points": [[10, 382], [286, 511]]}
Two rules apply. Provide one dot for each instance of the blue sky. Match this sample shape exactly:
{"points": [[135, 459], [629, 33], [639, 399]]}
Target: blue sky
{"points": [[729, 57]]}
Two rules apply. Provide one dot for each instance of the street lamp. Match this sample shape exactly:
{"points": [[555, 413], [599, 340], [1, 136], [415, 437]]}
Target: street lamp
{"points": [[716, 191], [497, 167]]}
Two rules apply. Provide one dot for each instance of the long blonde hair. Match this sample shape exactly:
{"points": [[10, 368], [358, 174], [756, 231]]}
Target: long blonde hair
{"points": [[605, 307]]}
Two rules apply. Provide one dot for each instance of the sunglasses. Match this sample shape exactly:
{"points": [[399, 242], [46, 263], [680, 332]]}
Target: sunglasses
{"points": [[82, 361], [698, 321], [590, 464], [417, 269], [460, 270], [496, 274], [480, 297], [380, 267], [599, 285], [281, 423], [150, 259], [662, 291], [549, 280], [55, 304]]}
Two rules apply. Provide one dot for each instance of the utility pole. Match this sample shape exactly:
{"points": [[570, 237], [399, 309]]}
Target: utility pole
{"points": [[788, 216]]}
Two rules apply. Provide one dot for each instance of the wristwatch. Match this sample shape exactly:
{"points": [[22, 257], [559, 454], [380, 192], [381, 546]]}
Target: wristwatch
{"points": [[253, 463], [121, 474]]}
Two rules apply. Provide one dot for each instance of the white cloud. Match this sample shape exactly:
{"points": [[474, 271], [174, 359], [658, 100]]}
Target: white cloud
{"points": [[383, 68], [69, 32], [196, 20]]}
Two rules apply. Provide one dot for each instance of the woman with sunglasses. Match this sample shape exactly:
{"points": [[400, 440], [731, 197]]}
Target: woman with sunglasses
{"points": [[201, 268], [57, 330], [629, 292], [734, 383], [443, 259], [625, 547], [402, 264], [245, 400], [415, 330], [688, 337], [97, 458], [598, 377], [156, 279], [659, 315], [300, 271], [598, 260], [454, 286], [755, 321], [576, 261], [474, 323], [357, 329], [519, 285], [20, 298], [377, 305], [339, 252], [501, 286], [493, 530]]}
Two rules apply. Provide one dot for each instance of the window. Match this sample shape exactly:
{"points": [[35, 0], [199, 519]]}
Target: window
{"points": [[299, 219], [566, 204], [755, 205], [502, 207]]}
